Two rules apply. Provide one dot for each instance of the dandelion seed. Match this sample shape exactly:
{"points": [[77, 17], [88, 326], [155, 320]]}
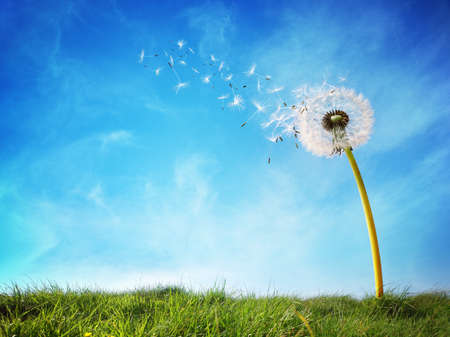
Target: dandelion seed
{"points": [[221, 66], [157, 71], [171, 63], [180, 85], [258, 85], [213, 58], [237, 101], [268, 77], [191, 50], [206, 79], [258, 106], [251, 71], [223, 97], [243, 124], [181, 43], [195, 70], [229, 77], [182, 62], [272, 91], [342, 79], [141, 56]]}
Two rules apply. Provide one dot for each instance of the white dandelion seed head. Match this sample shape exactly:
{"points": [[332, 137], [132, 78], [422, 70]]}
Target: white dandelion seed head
{"points": [[320, 101]]}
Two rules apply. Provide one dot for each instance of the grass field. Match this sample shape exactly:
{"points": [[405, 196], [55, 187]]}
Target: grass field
{"points": [[173, 311]]}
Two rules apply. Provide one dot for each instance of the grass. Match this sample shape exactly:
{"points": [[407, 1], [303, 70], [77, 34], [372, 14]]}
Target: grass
{"points": [[174, 311]]}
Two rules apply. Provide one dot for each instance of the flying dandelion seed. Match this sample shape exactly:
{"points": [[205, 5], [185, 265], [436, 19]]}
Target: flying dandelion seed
{"points": [[182, 62], [342, 79], [195, 70], [274, 90], [141, 56], [206, 79], [268, 77], [229, 77], [213, 58], [237, 101], [258, 106], [157, 71], [180, 85], [221, 66], [251, 71], [258, 86], [223, 97], [191, 50], [181, 43]]}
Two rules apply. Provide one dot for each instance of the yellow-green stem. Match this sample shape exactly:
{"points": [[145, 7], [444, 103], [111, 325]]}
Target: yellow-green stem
{"points": [[370, 224]]}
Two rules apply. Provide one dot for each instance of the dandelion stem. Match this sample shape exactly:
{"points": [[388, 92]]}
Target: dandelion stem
{"points": [[370, 224]]}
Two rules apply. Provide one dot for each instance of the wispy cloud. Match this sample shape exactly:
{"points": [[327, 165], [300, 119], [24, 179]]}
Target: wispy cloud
{"points": [[116, 137]]}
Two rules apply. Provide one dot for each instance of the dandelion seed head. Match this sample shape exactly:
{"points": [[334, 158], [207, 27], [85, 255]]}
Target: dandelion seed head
{"points": [[329, 123]]}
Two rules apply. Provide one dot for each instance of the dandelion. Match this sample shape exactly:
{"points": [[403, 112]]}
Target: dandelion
{"points": [[339, 122], [180, 85]]}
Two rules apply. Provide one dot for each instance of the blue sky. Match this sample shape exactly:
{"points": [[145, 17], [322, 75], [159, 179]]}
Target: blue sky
{"points": [[110, 178]]}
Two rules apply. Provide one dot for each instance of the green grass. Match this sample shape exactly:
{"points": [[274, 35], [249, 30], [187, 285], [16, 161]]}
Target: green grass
{"points": [[174, 311]]}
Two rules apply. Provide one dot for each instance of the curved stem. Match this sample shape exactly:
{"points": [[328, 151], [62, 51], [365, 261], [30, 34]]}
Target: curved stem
{"points": [[370, 224]]}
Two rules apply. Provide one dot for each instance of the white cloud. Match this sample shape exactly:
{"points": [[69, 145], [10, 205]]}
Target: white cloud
{"points": [[116, 137]]}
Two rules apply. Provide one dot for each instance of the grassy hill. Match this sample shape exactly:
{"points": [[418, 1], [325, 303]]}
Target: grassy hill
{"points": [[173, 311]]}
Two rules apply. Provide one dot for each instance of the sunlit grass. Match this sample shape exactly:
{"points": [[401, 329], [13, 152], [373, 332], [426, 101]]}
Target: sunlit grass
{"points": [[173, 311]]}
